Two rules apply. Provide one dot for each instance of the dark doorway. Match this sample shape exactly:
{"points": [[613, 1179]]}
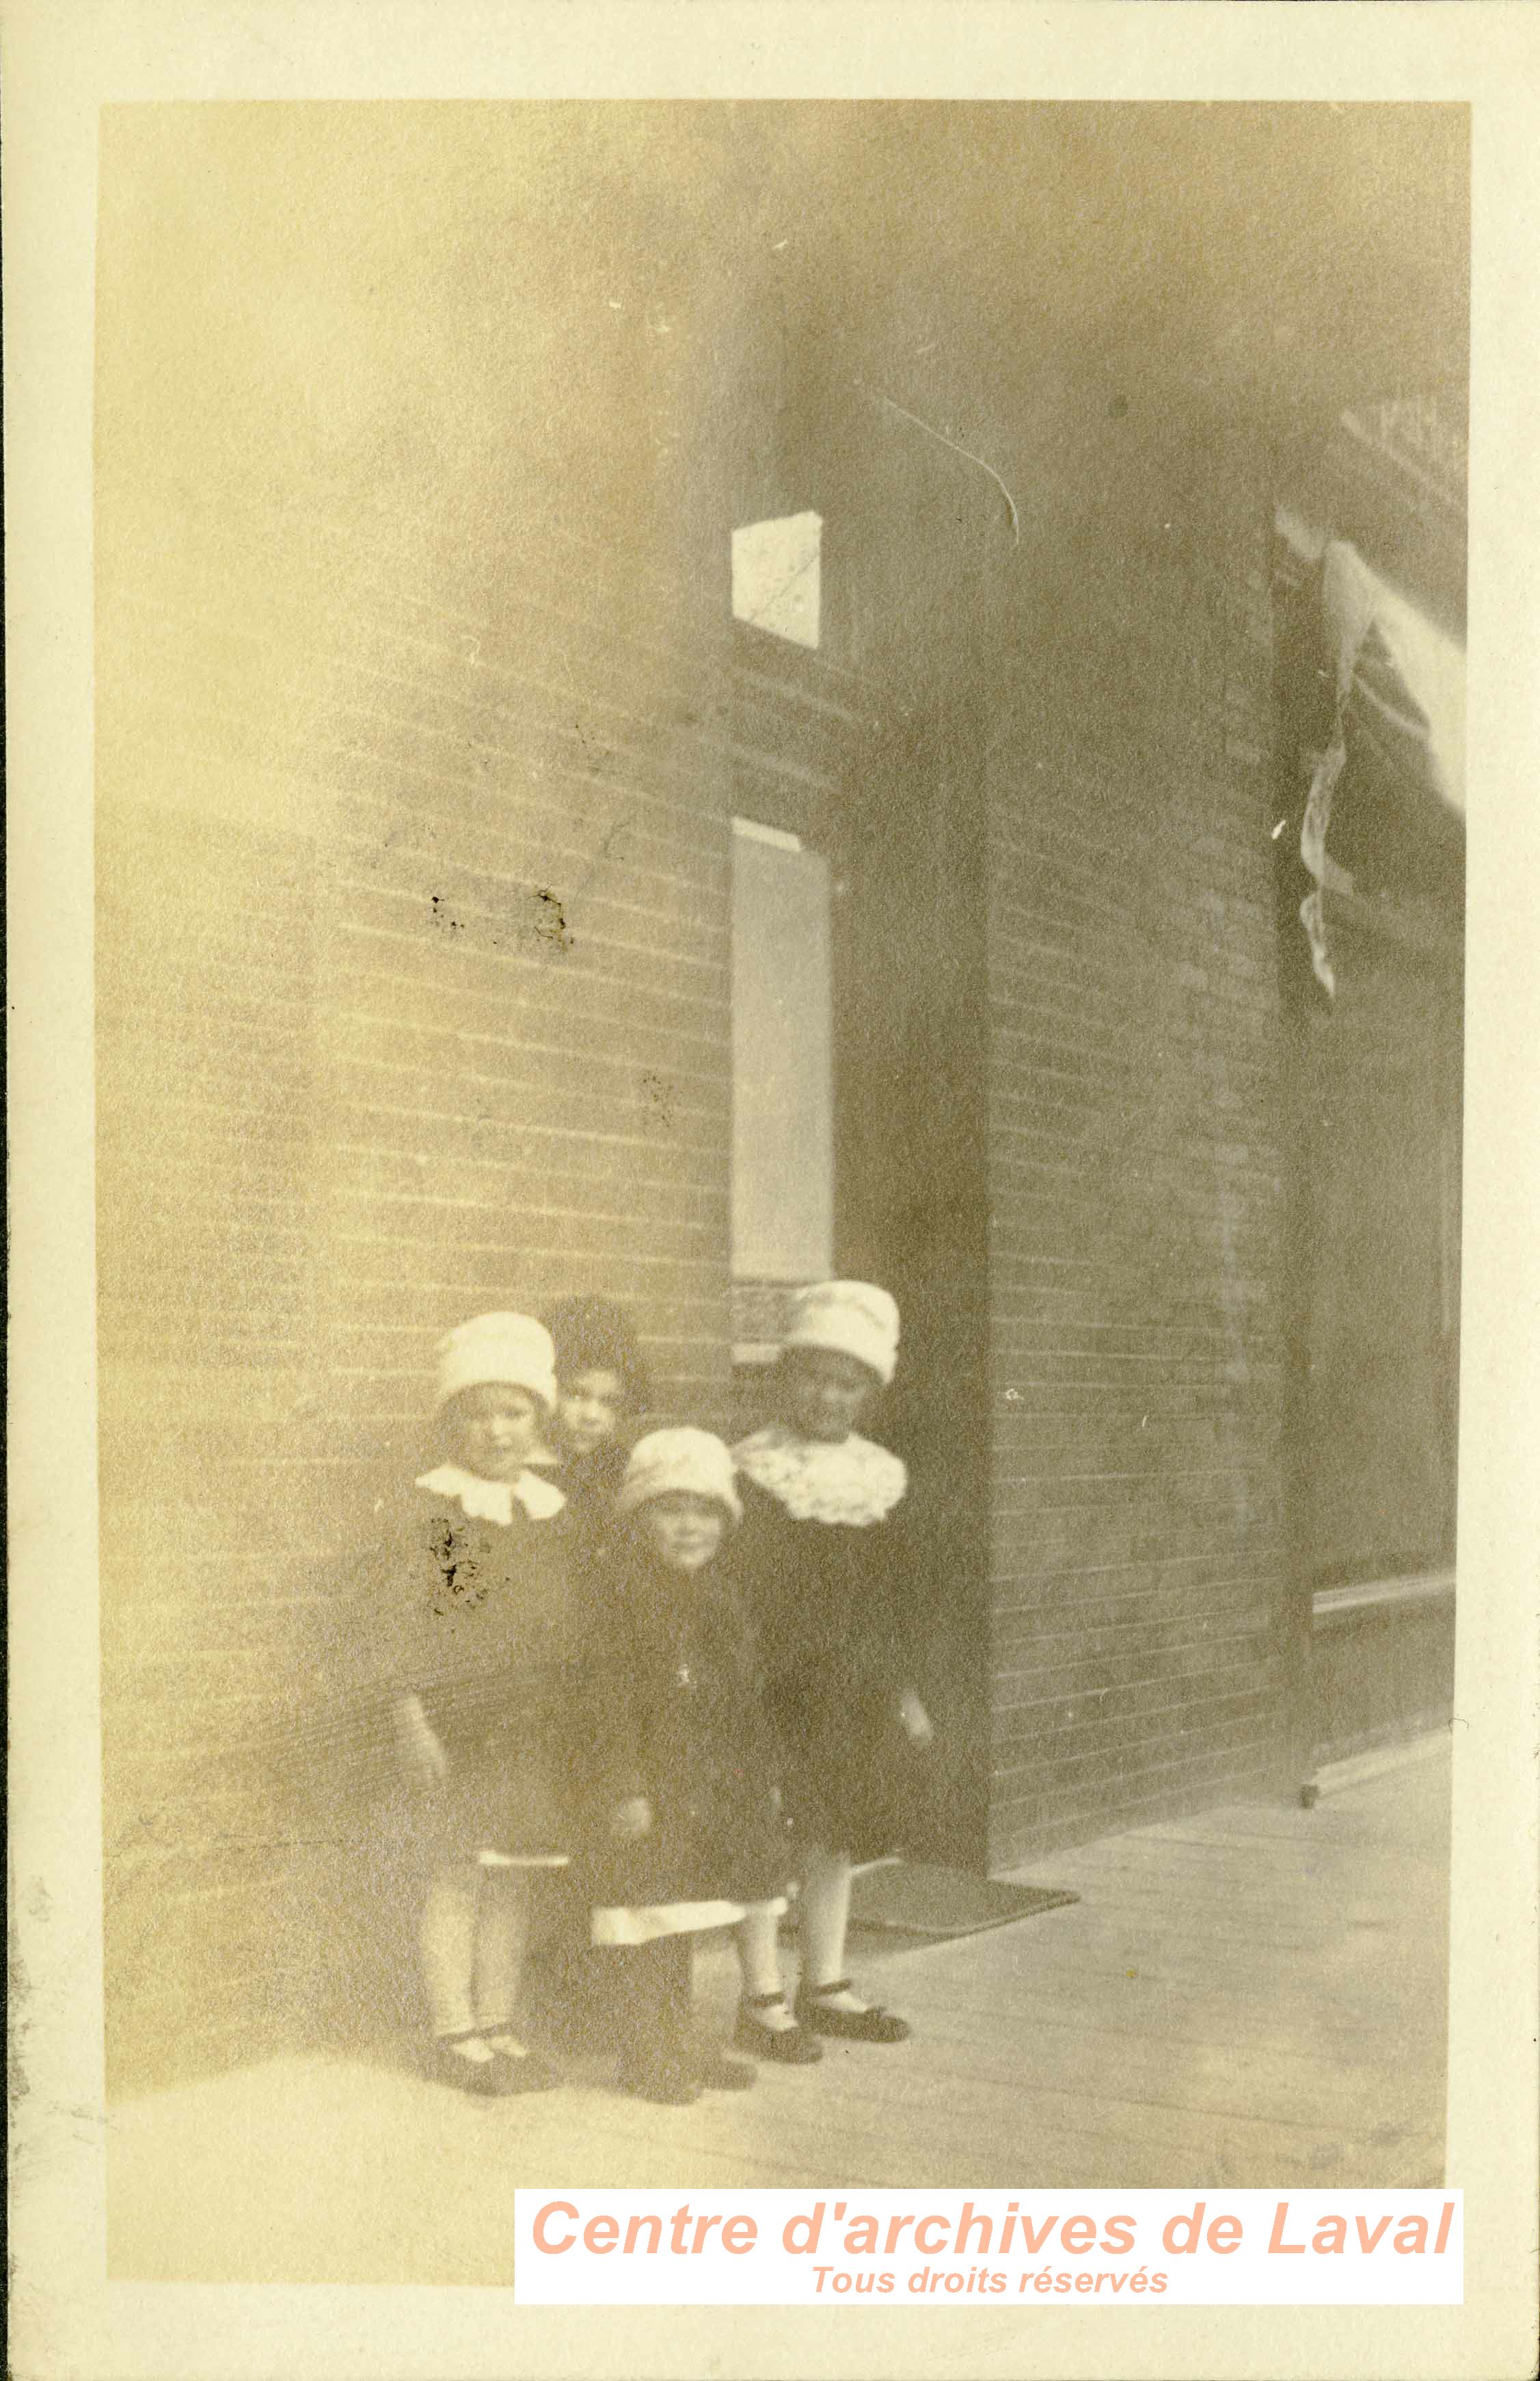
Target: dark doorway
{"points": [[879, 818]]}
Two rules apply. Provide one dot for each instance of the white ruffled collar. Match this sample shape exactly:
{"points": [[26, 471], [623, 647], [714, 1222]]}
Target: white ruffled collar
{"points": [[857, 1482], [492, 1500]]}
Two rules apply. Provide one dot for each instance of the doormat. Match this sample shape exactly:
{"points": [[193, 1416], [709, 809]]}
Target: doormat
{"points": [[912, 1897]]}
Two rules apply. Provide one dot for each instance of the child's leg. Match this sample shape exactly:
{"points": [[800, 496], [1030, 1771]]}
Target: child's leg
{"points": [[647, 1984], [765, 2022], [675, 1956], [759, 1951], [639, 1981], [759, 1959], [826, 1916], [447, 1938], [824, 2000], [502, 1931], [699, 2059]]}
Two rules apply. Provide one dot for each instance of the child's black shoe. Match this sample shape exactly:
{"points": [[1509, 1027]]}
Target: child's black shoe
{"points": [[454, 2061], [662, 2080], [715, 2074], [517, 2074], [789, 2045], [846, 2025]]}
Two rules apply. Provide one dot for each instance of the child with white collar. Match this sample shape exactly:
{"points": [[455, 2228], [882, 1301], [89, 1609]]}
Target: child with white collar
{"points": [[825, 1578], [476, 1630]]}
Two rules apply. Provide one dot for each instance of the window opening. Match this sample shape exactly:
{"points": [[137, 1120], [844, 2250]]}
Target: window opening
{"points": [[782, 1079], [776, 572]]}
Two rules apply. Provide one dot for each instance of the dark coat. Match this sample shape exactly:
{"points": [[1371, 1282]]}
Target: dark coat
{"points": [[484, 1624], [828, 1602], [589, 1484], [677, 1714]]}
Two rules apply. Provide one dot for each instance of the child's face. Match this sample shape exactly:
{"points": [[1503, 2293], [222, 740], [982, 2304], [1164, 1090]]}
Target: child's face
{"points": [[683, 1530], [496, 1428], [826, 1393], [589, 1406]]}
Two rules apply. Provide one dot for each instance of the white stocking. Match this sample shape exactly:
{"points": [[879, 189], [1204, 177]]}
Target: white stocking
{"points": [[759, 1959], [825, 1917], [446, 1939], [502, 1927]]}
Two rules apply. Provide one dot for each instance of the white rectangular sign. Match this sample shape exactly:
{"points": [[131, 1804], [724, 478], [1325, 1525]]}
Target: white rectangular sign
{"points": [[988, 2247]]}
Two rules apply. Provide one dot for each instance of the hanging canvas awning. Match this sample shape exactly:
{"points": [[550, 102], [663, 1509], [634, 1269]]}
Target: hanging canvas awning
{"points": [[1397, 710], [1405, 678]]}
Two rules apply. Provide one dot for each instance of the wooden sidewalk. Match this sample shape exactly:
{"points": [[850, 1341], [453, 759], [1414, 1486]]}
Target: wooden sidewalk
{"points": [[1253, 1999]]}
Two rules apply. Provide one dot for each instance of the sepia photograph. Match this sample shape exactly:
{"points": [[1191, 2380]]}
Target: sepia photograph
{"points": [[780, 924], [771, 1317]]}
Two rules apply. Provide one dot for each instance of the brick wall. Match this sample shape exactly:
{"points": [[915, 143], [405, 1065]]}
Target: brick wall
{"points": [[419, 727], [412, 881], [1134, 1158], [413, 926]]}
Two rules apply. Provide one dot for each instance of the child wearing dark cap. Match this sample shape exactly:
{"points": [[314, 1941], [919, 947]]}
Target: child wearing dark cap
{"points": [[602, 1390]]}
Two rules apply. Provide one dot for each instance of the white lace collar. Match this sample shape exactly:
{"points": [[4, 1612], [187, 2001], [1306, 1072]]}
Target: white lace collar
{"points": [[857, 1483], [492, 1500]]}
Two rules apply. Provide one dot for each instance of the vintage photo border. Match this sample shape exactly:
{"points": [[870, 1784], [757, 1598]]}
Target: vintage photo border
{"points": [[63, 58]]}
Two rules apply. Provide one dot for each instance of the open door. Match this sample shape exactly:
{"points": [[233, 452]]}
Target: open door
{"points": [[859, 1127]]}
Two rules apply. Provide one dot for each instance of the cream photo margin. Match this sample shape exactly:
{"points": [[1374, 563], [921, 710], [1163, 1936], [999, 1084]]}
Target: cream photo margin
{"points": [[61, 60]]}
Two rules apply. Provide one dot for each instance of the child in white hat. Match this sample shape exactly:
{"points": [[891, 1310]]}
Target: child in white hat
{"points": [[687, 1789], [823, 1573], [472, 1623]]}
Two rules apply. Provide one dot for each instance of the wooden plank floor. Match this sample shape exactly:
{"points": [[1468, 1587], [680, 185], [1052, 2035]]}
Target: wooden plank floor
{"points": [[1254, 1997]]}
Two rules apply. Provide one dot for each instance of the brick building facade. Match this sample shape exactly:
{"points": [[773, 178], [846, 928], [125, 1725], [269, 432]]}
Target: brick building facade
{"points": [[415, 793]]}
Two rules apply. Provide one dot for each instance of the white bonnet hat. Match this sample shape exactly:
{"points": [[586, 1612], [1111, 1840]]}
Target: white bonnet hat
{"points": [[511, 1349], [683, 1461], [851, 1318]]}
